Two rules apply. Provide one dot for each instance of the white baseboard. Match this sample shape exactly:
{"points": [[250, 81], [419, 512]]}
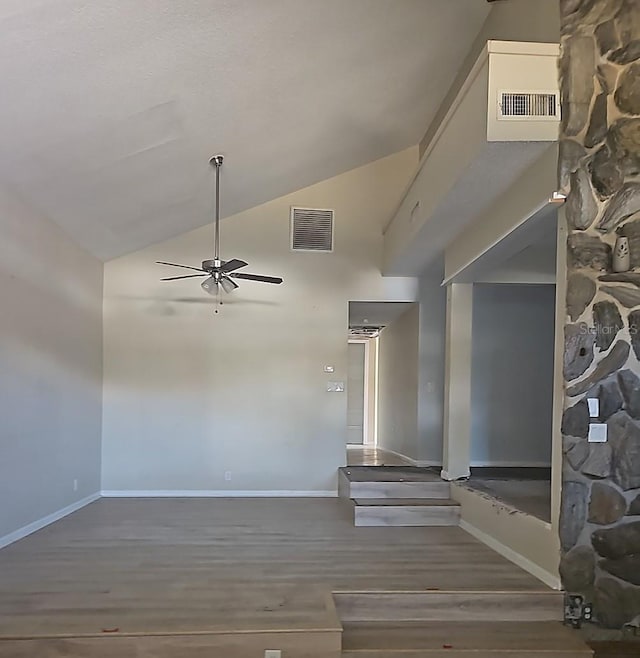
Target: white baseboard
{"points": [[521, 464], [29, 529], [209, 493], [520, 560]]}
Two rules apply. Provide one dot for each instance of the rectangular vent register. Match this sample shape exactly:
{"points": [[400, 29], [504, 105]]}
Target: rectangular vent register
{"points": [[311, 229]]}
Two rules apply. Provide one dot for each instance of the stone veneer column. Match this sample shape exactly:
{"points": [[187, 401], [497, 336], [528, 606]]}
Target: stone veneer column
{"points": [[600, 169]]}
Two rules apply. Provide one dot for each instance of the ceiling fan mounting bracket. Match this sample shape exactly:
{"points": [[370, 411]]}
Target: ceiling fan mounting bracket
{"points": [[216, 161]]}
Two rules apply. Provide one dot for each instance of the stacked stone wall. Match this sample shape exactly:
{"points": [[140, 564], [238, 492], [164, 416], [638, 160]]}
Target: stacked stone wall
{"points": [[599, 169]]}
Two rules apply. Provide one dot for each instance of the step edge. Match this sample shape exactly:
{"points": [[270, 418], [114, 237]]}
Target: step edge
{"points": [[397, 502], [466, 592]]}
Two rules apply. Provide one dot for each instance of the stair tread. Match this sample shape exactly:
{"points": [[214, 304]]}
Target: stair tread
{"points": [[404, 502], [465, 636]]}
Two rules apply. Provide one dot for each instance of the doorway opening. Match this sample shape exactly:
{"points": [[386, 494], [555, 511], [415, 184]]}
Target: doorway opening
{"points": [[374, 397], [512, 367]]}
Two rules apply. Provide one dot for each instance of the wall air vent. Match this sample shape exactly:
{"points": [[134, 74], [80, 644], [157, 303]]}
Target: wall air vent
{"points": [[528, 106], [311, 229]]}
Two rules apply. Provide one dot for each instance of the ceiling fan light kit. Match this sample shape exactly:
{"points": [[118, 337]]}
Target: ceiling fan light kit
{"points": [[219, 273]]}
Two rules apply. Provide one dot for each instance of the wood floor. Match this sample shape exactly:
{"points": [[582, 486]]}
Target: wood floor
{"points": [[372, 456], [623, 649], [195, 565]]}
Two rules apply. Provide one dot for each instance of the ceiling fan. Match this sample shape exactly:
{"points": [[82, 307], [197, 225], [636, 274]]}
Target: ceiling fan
{"points": [[220, 273]]}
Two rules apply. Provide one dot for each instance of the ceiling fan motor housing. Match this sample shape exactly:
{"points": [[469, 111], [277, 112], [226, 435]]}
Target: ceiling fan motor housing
{"points": [[210, 265]]}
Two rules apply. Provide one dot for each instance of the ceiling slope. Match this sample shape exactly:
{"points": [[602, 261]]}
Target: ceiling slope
{"points": [[112, 109]]}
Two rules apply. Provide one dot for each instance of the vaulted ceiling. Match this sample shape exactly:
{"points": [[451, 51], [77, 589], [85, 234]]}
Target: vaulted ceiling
{"points": [[111, 108]]}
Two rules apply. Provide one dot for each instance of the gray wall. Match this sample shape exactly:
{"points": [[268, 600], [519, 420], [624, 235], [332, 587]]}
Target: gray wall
{"points": [[512, 374], [431, 362], [50, 368], [189, 395], [398, 384], [516, 20]]}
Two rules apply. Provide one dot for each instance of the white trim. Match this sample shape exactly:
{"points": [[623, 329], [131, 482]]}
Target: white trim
{"points": [[520, 560], [211, 493], [374, 393], [499, 464], [367, 434], [29, 529], [523, 48]]}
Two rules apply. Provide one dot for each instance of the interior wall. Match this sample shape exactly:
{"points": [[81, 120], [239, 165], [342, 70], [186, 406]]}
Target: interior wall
{"points": [[398, 384], [190, 396], [516, 20], [512, 374], [431, 364], [50, 368]]}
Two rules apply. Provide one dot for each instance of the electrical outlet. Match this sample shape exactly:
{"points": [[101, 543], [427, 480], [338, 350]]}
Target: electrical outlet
{"points": [[272, 653], [227, 476], [577, 610], [75, 485], [597, 433]]}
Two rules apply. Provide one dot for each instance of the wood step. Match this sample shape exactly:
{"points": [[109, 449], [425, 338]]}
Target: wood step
{"points": [[404, 512], [438, 639], [450, 605], [365, 482]]}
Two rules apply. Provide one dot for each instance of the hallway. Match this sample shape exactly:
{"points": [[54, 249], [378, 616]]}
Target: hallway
{"points": [[373, 456]]}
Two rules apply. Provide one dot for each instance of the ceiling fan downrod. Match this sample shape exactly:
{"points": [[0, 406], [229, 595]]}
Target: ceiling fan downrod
{"points": [[216, 161]]}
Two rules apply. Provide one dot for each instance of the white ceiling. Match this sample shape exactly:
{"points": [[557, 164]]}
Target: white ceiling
{"points": [[112, 108]]}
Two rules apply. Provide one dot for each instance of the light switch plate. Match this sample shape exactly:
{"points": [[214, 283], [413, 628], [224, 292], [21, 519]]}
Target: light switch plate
{"points": [[335, 387], [594, 407], [328, 368], [272, 653], [597, 433]]}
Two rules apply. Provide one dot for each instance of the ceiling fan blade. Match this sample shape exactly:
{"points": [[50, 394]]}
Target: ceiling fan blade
{"points": [[186, 267], [186, 276], [256, 277], [233, 264]]}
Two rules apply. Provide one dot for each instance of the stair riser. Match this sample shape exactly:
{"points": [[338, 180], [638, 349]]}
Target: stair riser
{"points": [[449, 606], [406, 516], [464, 653], [439, 490]]}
